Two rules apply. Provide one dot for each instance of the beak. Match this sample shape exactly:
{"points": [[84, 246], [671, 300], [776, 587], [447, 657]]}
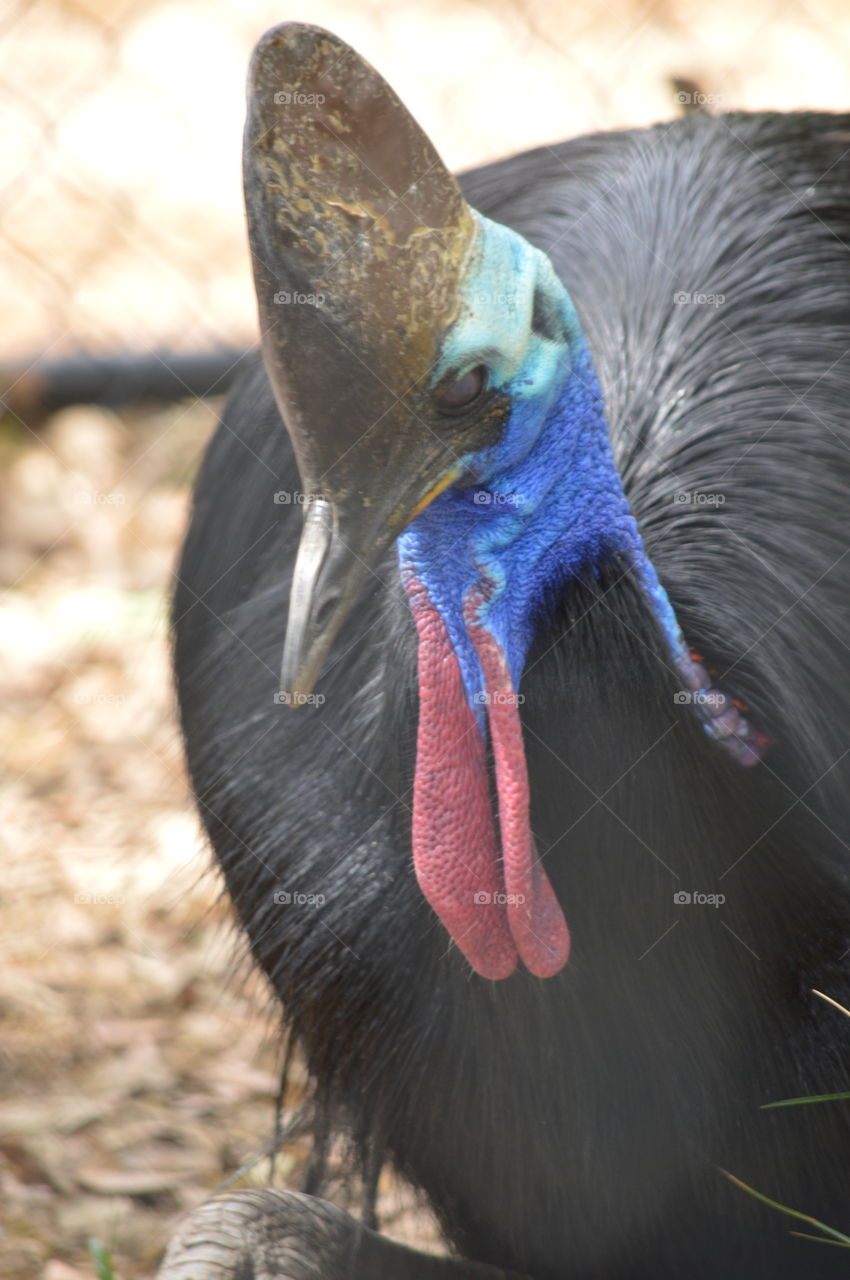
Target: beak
{"points": [[332, 570], [360, 242], [322, 580], [328, 580]]}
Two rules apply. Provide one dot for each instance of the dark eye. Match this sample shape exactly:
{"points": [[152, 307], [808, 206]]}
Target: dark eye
{"points": [[462, 392]]}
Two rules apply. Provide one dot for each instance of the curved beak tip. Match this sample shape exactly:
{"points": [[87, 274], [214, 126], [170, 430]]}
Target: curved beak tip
{"points": [[328, 579]]}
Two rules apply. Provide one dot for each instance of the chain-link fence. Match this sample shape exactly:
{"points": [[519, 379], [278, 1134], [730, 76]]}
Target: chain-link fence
{"points": [[133, 1078], [120, 202]]}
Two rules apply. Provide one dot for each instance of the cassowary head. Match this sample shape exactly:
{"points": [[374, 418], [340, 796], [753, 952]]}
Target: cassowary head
{"points": [[432, 373]]}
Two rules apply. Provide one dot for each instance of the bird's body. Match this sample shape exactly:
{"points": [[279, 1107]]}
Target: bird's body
{"points": [[575, 1126]]}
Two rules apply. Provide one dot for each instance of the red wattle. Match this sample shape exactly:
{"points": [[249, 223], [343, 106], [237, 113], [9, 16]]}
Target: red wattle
{"points": [[535, 918], [455, 848]]}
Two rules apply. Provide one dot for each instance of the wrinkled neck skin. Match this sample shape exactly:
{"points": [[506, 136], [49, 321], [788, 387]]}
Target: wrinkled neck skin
{"points": [[547, 501], [480, 565]]}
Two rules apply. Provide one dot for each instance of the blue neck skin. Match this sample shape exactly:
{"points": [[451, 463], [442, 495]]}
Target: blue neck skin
{"points": [[548, 502]]}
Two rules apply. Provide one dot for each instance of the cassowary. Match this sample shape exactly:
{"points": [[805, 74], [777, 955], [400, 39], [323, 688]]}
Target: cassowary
{"points": [[543, 846]]}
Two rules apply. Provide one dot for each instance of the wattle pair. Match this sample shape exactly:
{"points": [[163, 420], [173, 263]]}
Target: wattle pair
{"points": [[488, 888]]}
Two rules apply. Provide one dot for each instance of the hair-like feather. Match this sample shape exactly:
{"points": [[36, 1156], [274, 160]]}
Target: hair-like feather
{"points": [[574, 1126]]}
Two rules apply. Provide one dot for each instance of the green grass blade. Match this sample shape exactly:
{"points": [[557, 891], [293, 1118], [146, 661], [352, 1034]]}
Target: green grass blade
{"points": [[791, 1213], [799, 1102], [804, 1235], [102, 1260]]}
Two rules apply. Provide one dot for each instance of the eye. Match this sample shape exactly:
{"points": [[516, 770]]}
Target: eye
{"points": [[463, 390]]}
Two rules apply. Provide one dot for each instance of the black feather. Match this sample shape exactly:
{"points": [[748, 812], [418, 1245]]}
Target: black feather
{"points": [[576, 1126]]}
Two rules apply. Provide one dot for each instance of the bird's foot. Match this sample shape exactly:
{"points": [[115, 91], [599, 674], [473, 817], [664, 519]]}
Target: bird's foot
{"points": [[283, 1235]]}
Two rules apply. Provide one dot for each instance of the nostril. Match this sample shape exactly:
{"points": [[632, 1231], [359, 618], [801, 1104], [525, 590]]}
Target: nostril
{"points": [[326, 610]]}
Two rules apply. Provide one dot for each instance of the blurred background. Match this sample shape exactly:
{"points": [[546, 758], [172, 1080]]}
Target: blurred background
{"points": [[136, 1072]]}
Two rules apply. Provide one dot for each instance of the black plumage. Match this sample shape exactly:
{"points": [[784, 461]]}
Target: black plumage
{"points": [[576, 1126]]}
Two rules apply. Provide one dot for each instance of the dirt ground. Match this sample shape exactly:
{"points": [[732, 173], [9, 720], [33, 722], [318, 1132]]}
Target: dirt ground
{"points": [[136, 1071], [137, 1061]]}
